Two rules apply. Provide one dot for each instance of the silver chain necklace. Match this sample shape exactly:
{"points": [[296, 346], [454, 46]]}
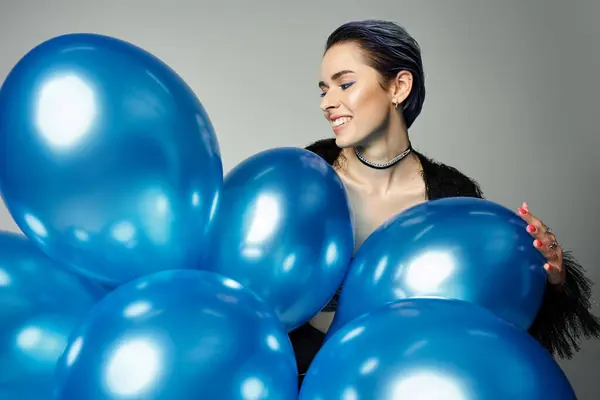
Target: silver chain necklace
{"points": [[385, 165]]}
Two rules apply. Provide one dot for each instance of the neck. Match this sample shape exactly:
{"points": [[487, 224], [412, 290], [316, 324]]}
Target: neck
{"points": [[381, 150], [385, 148]]}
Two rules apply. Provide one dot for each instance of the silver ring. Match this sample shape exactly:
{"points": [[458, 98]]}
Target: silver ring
{"points": [[553, 245], [548, 230]]}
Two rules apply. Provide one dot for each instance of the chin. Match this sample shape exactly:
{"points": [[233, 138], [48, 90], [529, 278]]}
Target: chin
{"points": [[344, 142]]}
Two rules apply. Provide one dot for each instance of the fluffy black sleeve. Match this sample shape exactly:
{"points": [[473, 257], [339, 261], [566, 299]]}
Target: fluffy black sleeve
{"points": [[565, 317]]}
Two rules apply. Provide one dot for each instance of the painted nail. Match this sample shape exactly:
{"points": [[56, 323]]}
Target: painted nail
{"points": [[531, 229], [522, 211], [537, 243]]}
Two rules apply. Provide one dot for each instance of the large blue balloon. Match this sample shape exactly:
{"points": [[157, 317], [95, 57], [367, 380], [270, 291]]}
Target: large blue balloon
{"points": [[284, 231], [108, 160], [179, 335], [40, 304], [433, 349], [463, 248]]}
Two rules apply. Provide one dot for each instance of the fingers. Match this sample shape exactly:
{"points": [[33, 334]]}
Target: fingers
{"points": [[554, 266], [556, 275], [530, 218], [535, 226], [545, 241], [549, 247]]}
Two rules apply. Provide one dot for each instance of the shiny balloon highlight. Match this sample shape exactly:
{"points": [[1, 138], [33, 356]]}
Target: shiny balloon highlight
{"points": [[284, 231], [179, 335], [462, 248], [109, 161], [433, 349], [40, 304]]}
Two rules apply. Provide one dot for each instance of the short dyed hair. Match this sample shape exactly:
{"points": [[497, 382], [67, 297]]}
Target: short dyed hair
{"points": [[389, 49]]}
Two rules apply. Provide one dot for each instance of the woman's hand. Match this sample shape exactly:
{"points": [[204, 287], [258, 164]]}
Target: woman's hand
{"points": [[546, 243]]}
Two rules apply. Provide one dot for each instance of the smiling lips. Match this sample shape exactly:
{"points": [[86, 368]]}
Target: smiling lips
{"points": [[339, 122]]}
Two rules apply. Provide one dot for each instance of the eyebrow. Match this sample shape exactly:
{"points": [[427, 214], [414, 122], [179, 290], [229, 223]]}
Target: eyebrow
{"points": [[336, 76]]}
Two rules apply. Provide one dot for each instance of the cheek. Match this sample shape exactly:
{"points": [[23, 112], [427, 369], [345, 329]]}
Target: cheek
{"points": [[359, 99], [368, 107]]}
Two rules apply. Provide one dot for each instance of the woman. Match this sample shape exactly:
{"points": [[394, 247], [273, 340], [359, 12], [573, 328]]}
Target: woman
{"points": [[372, 91]]}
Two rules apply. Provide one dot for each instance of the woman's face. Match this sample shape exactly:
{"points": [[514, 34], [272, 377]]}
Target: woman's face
{"points": [[353, 100]]}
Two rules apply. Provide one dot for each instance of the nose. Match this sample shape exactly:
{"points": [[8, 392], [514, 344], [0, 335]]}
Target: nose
{"points": [[329, 101]]}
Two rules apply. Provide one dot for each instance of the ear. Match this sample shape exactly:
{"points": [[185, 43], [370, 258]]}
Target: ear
{"points": [[401, 86]]}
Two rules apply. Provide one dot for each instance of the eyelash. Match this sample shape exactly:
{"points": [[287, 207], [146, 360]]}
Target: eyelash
{"points": [[344, 86]]}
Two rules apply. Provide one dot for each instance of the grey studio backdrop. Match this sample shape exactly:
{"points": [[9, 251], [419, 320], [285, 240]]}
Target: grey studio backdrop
{"points": [[511, 90]]}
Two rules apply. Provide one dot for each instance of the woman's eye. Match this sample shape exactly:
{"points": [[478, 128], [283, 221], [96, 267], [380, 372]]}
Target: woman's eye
{"points": [[344, 86]]}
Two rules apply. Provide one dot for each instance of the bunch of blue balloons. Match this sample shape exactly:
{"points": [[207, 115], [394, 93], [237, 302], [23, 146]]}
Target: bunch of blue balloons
{"points": [[436, 305], [144, 272]]}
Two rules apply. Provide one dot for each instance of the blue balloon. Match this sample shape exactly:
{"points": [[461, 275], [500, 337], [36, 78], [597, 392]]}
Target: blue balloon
{"points": [[462, 248], [284, 231], [179, 335], [433, 349], [40, 304], [109, 162]]}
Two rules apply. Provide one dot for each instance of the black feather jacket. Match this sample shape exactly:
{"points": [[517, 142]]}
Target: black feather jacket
{"points": [[564, 318]]}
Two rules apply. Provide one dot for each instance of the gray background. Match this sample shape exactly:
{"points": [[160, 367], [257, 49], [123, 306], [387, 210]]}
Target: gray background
{"points": [[511, 90]]}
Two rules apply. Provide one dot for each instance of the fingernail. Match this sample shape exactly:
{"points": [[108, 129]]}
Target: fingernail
{"points": [[537, 243], [531, 229], [522, 211], [547, 267], [525, 206]]}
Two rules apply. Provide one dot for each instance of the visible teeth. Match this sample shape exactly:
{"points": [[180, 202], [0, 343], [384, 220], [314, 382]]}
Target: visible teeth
{"points": [[340, 121]]}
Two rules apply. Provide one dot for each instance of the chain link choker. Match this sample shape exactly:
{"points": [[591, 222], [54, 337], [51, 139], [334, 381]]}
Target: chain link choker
{"points": [[385, 165]]}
